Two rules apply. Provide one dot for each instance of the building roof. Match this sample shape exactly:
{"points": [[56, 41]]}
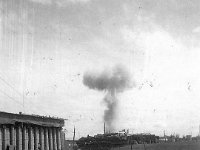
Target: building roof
{"points": [[10, 118]]}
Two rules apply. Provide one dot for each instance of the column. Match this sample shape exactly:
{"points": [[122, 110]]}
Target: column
{"points": [[15, 136], [62, 140], [54, 139], [1, 138], [12, 135], [36, 139], [24, 138], [58, 139], [19, 138], [7, 136], [33, 138], [50, 139], [30, 138], [41, 138], [46, 139]]}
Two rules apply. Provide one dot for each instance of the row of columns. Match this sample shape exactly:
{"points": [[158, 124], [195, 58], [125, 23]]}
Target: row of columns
{"points": [[25, 137]]}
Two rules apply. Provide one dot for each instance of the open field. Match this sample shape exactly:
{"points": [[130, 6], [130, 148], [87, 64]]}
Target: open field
{"points": [[164, 146]]}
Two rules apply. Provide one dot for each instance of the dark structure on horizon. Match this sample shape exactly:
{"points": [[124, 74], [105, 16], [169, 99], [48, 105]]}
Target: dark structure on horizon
{"points": [[110, 140], [30, 132]]}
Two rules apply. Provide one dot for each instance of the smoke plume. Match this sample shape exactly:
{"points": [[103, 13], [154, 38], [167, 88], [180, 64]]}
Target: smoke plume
{"points": [[112, 81]]}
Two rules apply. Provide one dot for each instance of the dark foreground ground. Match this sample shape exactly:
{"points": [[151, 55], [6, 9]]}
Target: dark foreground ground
{"points": [[163, 146]]}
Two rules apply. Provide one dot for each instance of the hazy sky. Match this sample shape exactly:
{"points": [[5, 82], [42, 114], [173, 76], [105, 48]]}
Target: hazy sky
{"points": [[47, 45]]}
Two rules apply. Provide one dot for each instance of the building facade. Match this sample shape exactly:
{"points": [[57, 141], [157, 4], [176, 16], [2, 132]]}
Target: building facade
{"points": [[30, 132]]}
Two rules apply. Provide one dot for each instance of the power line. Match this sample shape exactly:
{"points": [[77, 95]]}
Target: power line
{"points": [[17, 93], [10, 86], [11, 97]]}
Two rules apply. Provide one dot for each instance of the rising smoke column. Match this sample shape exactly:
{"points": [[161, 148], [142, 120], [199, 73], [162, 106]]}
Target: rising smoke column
{"points": [[112, 81]]}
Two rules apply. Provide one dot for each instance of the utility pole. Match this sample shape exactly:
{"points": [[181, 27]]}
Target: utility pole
{"points": [[104, 128], [74, 137]]}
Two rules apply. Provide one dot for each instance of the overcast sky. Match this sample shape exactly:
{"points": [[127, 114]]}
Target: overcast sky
{"points": [[47, 45]]}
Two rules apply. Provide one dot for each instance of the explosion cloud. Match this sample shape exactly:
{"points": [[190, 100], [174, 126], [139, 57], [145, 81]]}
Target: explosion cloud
{"points": [[116, 80]]}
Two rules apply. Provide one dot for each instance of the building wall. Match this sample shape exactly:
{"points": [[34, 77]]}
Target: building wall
{"points": [[30, 137]]}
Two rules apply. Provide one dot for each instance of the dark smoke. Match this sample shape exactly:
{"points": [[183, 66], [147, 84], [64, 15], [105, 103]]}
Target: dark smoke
{"points": [[112, 82]]}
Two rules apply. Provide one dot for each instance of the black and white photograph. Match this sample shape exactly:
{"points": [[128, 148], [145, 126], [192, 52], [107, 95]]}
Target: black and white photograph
{"points": [[99, 75]]}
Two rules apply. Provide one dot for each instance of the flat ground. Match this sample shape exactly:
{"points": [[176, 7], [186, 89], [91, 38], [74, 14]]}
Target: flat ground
{"points": [[164, 146]]}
